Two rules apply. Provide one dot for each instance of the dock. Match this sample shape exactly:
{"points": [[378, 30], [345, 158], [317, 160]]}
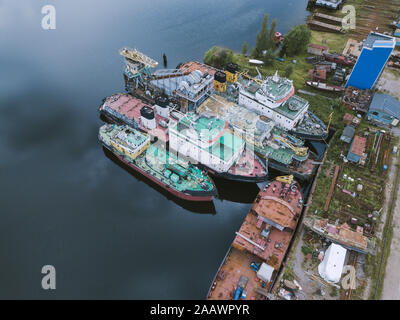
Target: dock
{"points": [[321, 26], [327, 18]]}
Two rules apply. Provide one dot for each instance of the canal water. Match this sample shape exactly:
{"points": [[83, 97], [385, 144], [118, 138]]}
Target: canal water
{"points": [[63, 201]]}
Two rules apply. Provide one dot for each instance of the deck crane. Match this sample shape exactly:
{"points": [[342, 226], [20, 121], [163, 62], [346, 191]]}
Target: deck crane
{"points": [[137, 67], [329, 123], [285, 179], [246, 75], [138, 57], [300, 151]]}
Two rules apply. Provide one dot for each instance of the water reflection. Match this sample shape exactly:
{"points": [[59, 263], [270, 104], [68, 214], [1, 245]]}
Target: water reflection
{"points": [[204, 207], [63, 201]]}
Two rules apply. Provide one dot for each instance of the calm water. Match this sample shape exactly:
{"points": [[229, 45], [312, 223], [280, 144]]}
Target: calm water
{"points": [[63, 201]]}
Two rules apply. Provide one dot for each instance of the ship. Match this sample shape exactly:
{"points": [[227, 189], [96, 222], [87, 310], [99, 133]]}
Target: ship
{"points": [[123, 108], [209, 143], [250, 268], [191, 83], [324, 86], [282, 151], [274, 98], [178, 177]]}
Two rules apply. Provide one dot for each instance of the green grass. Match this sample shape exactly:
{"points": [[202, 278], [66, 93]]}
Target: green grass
{"points": [[335, 41]]}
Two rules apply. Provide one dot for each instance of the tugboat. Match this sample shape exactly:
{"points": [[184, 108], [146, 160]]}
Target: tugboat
{"points": [[175, 175], [252, 264], [274, 98]]}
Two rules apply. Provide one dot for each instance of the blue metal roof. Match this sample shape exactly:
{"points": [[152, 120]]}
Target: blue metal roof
{"points": [[373, 37], [348, 134], [385, 104]]}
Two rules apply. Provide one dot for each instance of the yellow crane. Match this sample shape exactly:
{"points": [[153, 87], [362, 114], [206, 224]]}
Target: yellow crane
{"points": [[329, 123], [285, 179], [300, 151], [246, 75]]}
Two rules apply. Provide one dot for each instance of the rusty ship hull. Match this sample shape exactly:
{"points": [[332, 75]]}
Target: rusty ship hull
{"points": [[278, 208]]}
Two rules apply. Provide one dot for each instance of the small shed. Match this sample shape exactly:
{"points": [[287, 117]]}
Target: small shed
{"points": [[357, 149], [348, 118], [265, 272], [384, 110], [331, 268], [348, 134], [317, 49]]}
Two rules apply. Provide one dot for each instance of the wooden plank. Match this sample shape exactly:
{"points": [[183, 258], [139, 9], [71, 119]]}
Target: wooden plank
{"points": [[331, 189]]}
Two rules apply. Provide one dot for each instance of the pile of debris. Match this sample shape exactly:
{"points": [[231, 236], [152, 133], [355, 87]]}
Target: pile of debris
{"points": [[358, 100], [394, 60]]}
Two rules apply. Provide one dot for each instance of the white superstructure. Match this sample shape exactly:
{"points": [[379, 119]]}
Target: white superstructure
{"points": [[274, 98], [206, 141]]}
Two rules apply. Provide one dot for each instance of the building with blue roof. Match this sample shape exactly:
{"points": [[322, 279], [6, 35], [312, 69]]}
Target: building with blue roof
{"points": [[384, 110], [348, 134], [375, 53]]}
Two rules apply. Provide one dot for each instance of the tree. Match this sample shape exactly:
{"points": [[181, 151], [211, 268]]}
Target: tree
{"points": [[288, 71], [244, 48], [253, 52], [262, 38], [218, 57], [297, 40], [271, 43]]}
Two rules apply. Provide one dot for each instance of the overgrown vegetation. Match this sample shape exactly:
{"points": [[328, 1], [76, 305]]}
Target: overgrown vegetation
{"points": [[218, 57], [296, 41]]}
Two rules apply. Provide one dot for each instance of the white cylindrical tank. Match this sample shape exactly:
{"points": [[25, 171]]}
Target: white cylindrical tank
{"points": [[162, 107], [148, 118]]}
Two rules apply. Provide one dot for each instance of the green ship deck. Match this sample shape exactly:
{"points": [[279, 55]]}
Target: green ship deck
{"points": [[134, 147]]}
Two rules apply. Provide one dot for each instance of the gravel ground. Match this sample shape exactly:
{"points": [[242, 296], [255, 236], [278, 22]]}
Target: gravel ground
{"points": [[391, 284], [389, 82]]}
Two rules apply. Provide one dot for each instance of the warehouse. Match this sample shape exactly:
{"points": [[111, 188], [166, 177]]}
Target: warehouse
{"points": [[384, 110]]}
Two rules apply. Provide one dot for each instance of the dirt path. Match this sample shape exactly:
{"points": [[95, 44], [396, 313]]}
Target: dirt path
{"points": [[308, 287], [391, 284]]}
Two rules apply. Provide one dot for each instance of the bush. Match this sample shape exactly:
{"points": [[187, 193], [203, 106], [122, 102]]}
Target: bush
{"points": [[269, 58], [288, 71], [218, 57], [306, 250], [297, 40]]}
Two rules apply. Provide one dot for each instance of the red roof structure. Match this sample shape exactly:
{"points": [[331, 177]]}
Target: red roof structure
{"points": [[318, 46], [358, 146]]}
